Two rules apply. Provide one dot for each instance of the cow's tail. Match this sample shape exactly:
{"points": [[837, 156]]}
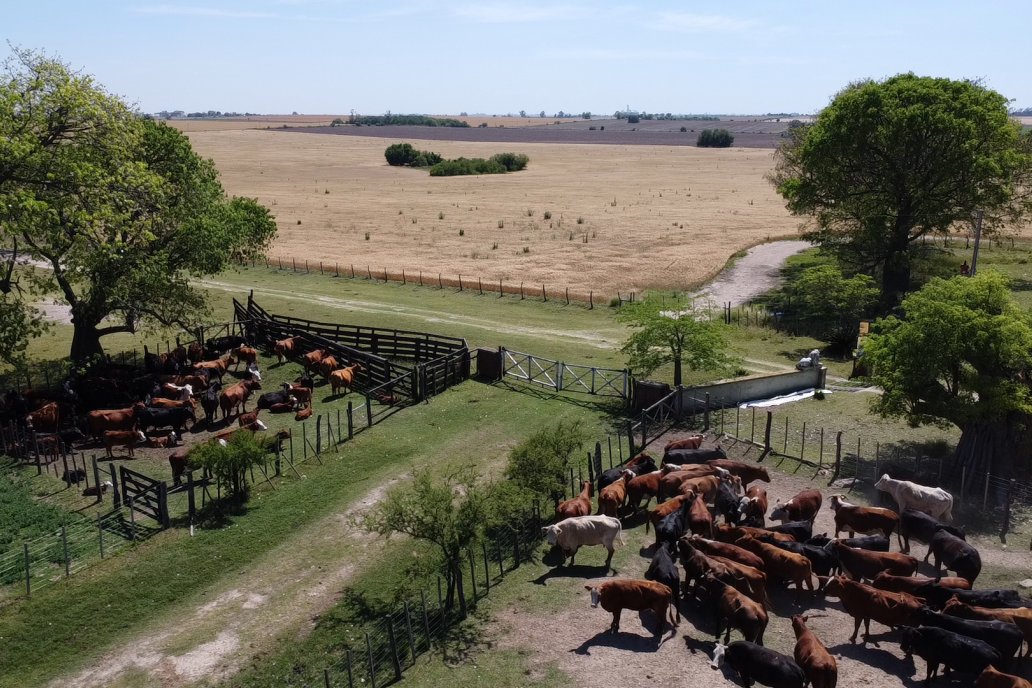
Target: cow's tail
{"points": [[619, 534]]}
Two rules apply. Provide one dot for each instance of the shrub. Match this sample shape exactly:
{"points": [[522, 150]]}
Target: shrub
{"points": [[230, 463], [462, 232], [463, 166], [633, 119], [440, 215], [403, 154], [367, 236], [580, 220], [548, 214], [715, 138], [684, 130], [513, 162]]}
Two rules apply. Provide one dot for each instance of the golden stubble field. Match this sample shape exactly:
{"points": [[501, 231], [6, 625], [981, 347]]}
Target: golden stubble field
{"points": [[621, 217]]}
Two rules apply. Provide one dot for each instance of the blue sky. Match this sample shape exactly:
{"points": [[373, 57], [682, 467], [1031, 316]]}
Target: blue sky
{"points": [[332, 56]]}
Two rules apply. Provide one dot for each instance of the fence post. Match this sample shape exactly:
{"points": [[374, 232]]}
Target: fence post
{"points": [[802, 447], [963, 482], [411, 637], [100, 535], [372, 666], [28, 570], [64, 546], [544, 295], [738, 416], [838, 456], [426, 618], [985, 492], [472, 574], [351, 676], [752, 431], [820, 455], [96, 479], [1007, 513], [766, 435], [785, 448], [351, 422], [326, 672], [394, 648], [369, 411]]}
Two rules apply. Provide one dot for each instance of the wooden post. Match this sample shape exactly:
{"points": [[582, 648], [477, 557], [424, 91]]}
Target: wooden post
{"points": [[820, 455], [408, 627], [460, 281], [567, 296], [766, 433], [1007, 512], [591, 300], [544, 296], [785, 448], [802, 447], [100, 535], [372, 666], [752, 431], [394, 649], [521, 291], [351, 422], [487, 571], [293, 264], [838, 456], [426, 617], [64, 546], [472, 574], [28, 570], [706, 413], [480, 284], [369, 411]]}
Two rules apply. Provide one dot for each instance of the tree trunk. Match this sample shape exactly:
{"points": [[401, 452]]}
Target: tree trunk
{"points": [[85, 341], [895, 278], [677, 371], [1000, 448]]}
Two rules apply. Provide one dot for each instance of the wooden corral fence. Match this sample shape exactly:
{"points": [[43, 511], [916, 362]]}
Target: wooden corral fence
{"points": [[143, 494], [564, 377]]}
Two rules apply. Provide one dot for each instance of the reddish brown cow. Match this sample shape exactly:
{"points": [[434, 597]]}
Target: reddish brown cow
{"points": [[301, 393], [700, 520], [46, 418], [613, 496], [663, 510], [195, 353], [243, 354], [167, 442], [177, 460], [304, 413], [646, 486], [158, 402], [754, 511], [748, 472], [861, 563], [813, 658], [690, 442], [236, 396], [343, 378], [327, 365], [312, 358], [579, 505], [197, 383], [862, 519], [910, 584], [865, 604], [715, 548], [216, 368], [284, 407], [740, 612], [991, 678], [115, 419], [1020, 617], [732, 534], [705, 487], [778, 563], [637, 595], [802, 507], [284, 348], [672, 479], [123, 438], [248, 418]]}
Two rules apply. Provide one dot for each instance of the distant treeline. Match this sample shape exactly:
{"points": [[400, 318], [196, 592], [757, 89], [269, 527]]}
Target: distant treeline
{"points": [[1027, 112], [178, 114], [405, 155], [401, 120], [634, 117]]}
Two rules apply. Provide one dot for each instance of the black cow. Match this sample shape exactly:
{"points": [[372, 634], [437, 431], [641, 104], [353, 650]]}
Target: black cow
{"points": [[800, 530], [823, 562], [951, 552], [728, 504], [673, 526], [646, 465], [174, 418], [682, 456], [1005, 637], [74, 475], [662, 569], [213, 348], [267, 400], [872, 543], [757, 663], [922, 527], [210, 402], [937, 646], [937, 596]]}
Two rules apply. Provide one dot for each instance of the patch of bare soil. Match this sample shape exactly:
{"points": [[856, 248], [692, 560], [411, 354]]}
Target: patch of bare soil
{"points": [[577, 641], [212, 640]]}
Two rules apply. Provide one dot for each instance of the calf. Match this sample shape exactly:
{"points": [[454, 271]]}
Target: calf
{"points": [[956, 555], [748, 472], [312, 358], [637, 595], [304, 414], [123, 438], [1005, 637], [578, 506], [167, 442], [573, 533], [934, 501], [937, 646], [1020, 617], [243, 354], [612, 497], [737, 610], [991, 678], [753, 507], [343, 378], [861, 564], [639, 465], [248, 418], [46, 418], [865, 604], [802, 507], [663, 569], [780, 564], [862, 519], [755, 662], [210, 402], [690, 442], [922, 527], [813, 658]]}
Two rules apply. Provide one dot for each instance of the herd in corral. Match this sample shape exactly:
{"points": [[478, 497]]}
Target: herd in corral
{"points": [[718, 552]]}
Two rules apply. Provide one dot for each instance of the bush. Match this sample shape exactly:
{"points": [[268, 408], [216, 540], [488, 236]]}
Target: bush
{"points": [[684, 130], [633, 119], [715, 138], [403, 154], [540, 463], [230, 463], [513, 162], [464, 166]]}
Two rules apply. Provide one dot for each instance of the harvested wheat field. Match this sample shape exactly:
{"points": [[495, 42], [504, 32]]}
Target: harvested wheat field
{"points": [[591, 217]]}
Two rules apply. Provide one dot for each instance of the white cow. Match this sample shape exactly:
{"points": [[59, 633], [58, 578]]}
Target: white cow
{"points": [[581, 531], [934, 501]]}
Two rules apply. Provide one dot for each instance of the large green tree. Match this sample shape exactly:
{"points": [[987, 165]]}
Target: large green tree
{"points": [[118, 208], [672, 332], [891, 161], [960, 354]]}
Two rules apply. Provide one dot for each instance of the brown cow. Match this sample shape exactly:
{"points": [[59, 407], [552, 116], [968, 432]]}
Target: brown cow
{"points": [[197, 382], [123, 438], [1020, 617], [991, 678], [754, 507], [304, 413], [865, 603], [861, 563], [732, 534], [158, 402], [343, 378], [248, 418], [700, 520], [675, 476], [690, 442], [243, 354], [748, 472], [778, 563], [613, 496], [179, 463], [646, 486], [637, 595], [705, 487], [312, 358], [740, 612], [663, 510], [862, 519], [236, 396], [216, 368], [46, 418], [747, 579], [114, 419], [327, 364], [300, 392], [579, 505], [813, 658], [910, 584], [726, 550], [802, 507], [195, 352], [284, 348], [167, 442]]}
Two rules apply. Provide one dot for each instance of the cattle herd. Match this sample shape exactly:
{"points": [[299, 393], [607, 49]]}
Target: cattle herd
{"points": [[126, 406], [717, 549]]}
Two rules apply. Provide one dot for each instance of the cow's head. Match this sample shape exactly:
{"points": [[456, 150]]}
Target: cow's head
{"points": [[838, 501], [883, 482], [140, 436], [260, 425], [779, 512], [551, 534], [593, 589], [718, 656]]}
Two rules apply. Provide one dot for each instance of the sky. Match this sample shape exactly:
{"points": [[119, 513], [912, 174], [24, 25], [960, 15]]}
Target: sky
{"points": [[447, 57]]}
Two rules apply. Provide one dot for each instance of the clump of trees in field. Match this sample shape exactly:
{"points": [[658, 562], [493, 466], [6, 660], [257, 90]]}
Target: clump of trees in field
{"points": [[404, 154], [715, 138], [230, 463], [405, 120]]}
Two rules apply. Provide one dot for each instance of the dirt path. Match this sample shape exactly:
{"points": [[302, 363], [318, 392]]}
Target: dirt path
{"points": [[575, 638], [752, 275], [242, 614]]}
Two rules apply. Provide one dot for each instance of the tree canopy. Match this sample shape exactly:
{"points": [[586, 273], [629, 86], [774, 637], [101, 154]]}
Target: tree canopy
{"points": [[960, 354], [889, 162], [118, 208], [672, 333]]}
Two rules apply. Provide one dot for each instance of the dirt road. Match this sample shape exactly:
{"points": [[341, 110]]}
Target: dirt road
{"points": [[758, 272]]}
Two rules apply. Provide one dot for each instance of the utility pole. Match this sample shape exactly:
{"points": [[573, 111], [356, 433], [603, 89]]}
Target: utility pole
{"points": [[978, 238]]}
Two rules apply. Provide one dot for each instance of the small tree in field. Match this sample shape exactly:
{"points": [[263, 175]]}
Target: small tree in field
{"points": [[540, 463], [672, 333], [231, 463], [715, 138]]}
